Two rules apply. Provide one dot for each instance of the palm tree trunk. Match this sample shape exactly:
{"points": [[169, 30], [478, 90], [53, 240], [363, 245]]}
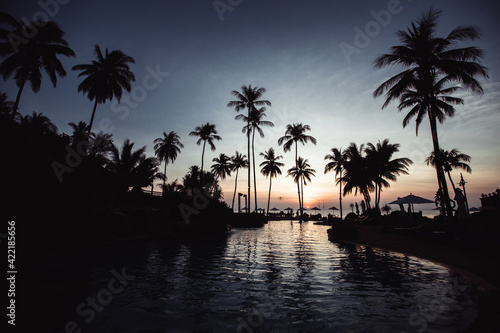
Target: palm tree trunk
{"points": [[235, 185], [269, 196], [254, 176], [445, 204], [249, 172], [451, 181], [340, 199], [164, 178], [298, 183], [302, 195], [93, 114], [202, 157], [18, 98]]}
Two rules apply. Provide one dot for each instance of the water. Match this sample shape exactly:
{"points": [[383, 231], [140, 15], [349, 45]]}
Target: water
{"points": [[284, 277]]}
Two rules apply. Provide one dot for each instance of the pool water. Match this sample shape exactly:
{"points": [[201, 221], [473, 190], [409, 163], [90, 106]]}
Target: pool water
{"points": [[283, 277]]}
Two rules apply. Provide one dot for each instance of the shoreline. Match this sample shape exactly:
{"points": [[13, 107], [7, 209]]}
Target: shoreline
{"points": [[480, 273]]}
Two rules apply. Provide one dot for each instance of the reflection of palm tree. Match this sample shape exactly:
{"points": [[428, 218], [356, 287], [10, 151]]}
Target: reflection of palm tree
{"points": [[431, 63], [249, 98], [106, 78], [254, 125], [166, 149], [206, 133], [293, 134], [271, 168], [26, 59], [382, 168], [222, 166], [301, 173], [451, 159], [238, 161], [337, 161]]}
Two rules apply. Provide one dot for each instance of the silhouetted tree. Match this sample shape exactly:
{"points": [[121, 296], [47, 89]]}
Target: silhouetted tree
{"points": [[293, 134], [222, 166], [254, 125], [166, 149], [356, 173], [301, 173], [101, 145], [238, 161], [451, 159], [206, 133], [27, 57], [382, 168], [337, 160], [430, 63], [106, 78], [271, 168], [249, 98]]}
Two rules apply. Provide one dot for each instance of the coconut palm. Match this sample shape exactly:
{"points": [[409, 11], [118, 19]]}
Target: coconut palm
{"points": [[222, 166], [271, 168], [337, 160], [106, 78], [38, 124], [254, 125], [26, 58], [452, 159], [80, 132], [301, 173], [356, 173], [206, 133], [249, 98], [382, 167], [101, 146], [296, 133], [6, 106], [430, 63], [238, 161], [166, 149]]}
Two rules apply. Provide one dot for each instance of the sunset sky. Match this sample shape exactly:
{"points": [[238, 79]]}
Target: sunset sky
{"points": [[296, 50]]}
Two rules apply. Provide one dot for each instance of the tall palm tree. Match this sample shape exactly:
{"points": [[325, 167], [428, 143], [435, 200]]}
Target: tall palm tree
{"points": [[27, 58], [356, 173], [249, 98], [206, 133], [430, 63], [296, 133], [238, 161], [254, 125], [222, 166], [166, 149], [337, 160], [301, 173], [452, 159], [271, 168], [106, 78], [382, 167]]}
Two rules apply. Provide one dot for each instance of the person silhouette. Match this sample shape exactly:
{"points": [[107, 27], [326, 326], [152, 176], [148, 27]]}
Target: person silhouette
{"points": [[363, 206], [460, 199], [357, 209]]}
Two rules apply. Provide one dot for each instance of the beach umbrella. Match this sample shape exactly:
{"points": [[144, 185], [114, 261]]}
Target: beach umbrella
{"points": [[411, 199], [274, 209], [315, 208], [289, 208], [333, 208]]}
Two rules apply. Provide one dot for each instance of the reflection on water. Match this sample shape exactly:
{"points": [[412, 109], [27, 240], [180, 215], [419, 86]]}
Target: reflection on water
{"points": [[284, 277]]}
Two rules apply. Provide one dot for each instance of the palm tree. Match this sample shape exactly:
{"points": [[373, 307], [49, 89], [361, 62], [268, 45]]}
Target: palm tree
{"points": [[238, 161], [106, 78], [296, 133], [101, 146], [452, 159], [166, 149], [430, 63], [271, 168], [301, 173], [38, 124], [206, 133], [337, 160], [249, 98], [80, 132], [356, 173], [27, 58], [254, 125], [222, 166], [382, 168], [5, 105]]}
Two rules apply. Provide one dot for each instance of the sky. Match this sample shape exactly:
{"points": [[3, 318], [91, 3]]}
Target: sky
{"points": [[315, 60]]}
